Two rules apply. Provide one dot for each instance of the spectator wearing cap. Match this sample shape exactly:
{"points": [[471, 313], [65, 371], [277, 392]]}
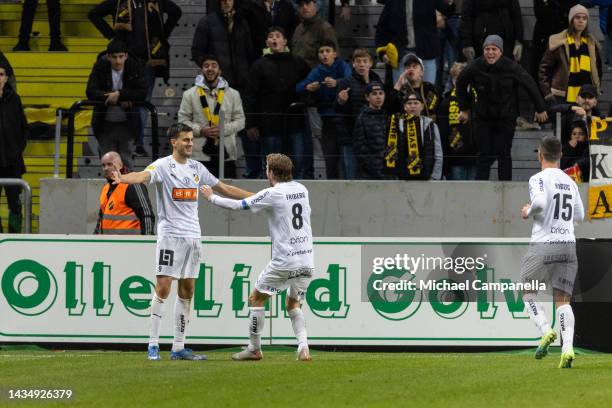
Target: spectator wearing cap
{"points": [[213, 110], [496, 80], [412, 80], [269, 94], [370, 134], [118, 81], [226, 35], [411, 27], [13, 140], [571, 60], [311, 32], [414, 148], [350, 101], [583, 109], [458, 141], [481, 18]]}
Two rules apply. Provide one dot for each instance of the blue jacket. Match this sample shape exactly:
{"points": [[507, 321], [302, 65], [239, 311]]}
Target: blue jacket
{"points": [[325, 96]]}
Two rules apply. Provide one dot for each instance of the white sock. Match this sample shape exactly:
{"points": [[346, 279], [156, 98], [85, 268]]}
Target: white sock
{"points": [[182, 308], [299, 326], [536, 313], [565, 315], [157, 310], [256, 325]]}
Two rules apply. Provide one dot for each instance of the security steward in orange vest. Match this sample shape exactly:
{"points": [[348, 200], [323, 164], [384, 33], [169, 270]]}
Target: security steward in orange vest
{"points": [[124, 209]]}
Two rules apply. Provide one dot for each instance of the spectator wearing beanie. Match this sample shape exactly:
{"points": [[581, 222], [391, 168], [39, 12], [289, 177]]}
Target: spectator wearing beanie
{"points": [[493, 112], [571, 60]]}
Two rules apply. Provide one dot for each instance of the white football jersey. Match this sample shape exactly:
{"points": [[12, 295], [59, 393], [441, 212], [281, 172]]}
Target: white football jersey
{"points": [[177, 195], [289, 221], [555, 205]]}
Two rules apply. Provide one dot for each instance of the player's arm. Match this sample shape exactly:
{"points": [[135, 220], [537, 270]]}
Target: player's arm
{"points": [[138, 177], [223, 202], [538, 198], [230, 191], [578, 207]]}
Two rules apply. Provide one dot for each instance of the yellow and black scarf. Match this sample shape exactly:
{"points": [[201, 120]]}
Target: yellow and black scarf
{"points": [[404, 125], [157, 49], [213, 119], [579, 67]]}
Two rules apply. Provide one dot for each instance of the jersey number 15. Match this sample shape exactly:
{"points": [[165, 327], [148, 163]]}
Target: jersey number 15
{"points": [[563, 206]]}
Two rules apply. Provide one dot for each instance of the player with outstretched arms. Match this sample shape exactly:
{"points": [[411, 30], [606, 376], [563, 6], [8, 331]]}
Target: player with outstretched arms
{"points": [[177, 178], [555, 205], [292, 263]]}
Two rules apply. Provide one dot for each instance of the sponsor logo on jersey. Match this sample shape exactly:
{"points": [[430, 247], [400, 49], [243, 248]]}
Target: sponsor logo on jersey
{"points": [[150, 167], [261, 197], [196, 178], [184, 194]]}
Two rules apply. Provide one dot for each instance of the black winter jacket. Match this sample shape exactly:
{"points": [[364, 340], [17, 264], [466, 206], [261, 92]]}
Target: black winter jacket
{"points": [[355, 104], [496, 86], [259, 19], [234, 50], [134, 89], [136, 39], [370, 143], [481, 18], [271, 90], [13, 130], [391, 26]]}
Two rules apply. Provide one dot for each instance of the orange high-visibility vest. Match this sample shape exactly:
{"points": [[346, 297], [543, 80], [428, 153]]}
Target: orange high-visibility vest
{"points": [[117, 217]]}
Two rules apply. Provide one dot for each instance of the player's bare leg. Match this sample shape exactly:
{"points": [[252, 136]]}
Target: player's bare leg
{"points": [[538, 316], [257, 302], [299, 328], [158, 303], [565, 315]]}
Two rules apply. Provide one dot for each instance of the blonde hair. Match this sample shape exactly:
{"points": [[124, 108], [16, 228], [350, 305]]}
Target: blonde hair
{"points": [[361, 53], [280, 166], [456, 69]]}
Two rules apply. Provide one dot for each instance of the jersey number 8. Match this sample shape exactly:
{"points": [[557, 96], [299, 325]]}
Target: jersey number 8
{"points": [[297, 220]]}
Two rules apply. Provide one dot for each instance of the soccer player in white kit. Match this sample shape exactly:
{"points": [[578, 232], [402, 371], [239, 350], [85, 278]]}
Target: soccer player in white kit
{"points": [[555, 206], [292, 263], [178, 254]]}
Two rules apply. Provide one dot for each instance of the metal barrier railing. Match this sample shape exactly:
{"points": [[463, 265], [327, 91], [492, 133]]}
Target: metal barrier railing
{"points": [[27, 198], [70, 136]]}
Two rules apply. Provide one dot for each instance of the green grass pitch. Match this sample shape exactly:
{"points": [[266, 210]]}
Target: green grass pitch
{"points": [[332, 379]]}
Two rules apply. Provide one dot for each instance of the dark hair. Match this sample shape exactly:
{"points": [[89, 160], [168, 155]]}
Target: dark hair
{"points": [[277, 29], [550, 147], [116, 46], [175, 130], [207, 57], [328, 42], [280, 166]]}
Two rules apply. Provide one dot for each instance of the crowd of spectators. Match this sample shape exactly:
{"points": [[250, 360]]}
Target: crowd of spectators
{"points": [[273, 79]]}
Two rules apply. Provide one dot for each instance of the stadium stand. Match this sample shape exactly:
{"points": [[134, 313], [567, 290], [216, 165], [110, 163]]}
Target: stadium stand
{"points": [[47, 81]]}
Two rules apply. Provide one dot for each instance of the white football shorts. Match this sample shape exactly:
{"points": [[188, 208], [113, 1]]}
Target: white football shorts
{"points": [[178, 257], [554, 264], [273, 282]]}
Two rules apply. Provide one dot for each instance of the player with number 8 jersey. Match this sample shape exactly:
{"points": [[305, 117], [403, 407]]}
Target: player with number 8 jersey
{"points": [[288, 208]]}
